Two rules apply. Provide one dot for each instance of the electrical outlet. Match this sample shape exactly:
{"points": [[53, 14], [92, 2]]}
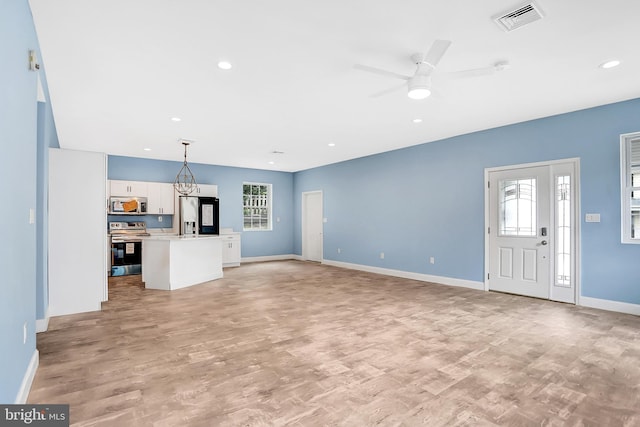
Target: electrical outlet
{"points": [[339, 250], [24, 333], [160, 218], [32, 216], [432, 260], [381, 255]]}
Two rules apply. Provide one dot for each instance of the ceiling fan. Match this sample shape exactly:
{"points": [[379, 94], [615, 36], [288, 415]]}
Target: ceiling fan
{"points": [[419, 85]]}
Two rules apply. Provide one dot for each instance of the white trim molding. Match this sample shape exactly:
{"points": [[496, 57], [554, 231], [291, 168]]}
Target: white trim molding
{"points": [[609, 305], [601, 304], [409, 275], [271, 258], [27, 380], [629, 153], [42, 324]]}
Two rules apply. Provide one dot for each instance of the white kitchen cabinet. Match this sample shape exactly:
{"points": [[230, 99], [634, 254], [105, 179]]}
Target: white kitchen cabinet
{"points": [[160, 198], [231, 252], [205, 190], [127, 188], [175, 262]]}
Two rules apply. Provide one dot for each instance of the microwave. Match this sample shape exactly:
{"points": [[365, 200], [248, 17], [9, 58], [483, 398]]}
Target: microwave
{"points": [[127, 205]]}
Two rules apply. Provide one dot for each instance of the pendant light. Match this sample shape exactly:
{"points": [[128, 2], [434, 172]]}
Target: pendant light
{"points": [[185, 182]]}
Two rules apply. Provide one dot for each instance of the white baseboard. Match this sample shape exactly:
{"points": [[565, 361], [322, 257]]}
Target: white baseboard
{"points": [[409, 275], [609, 305], [271, 258], [602, 304], [43, 324], [27, 380]]}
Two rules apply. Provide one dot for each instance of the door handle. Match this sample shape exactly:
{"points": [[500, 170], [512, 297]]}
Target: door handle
{"points": [[543, 243]]}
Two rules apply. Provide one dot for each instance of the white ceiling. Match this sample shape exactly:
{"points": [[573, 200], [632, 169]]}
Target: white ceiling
{"points": [[119, 70]]}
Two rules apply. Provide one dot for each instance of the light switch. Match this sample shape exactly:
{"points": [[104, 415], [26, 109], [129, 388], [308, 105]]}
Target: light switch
{"points": [[592, 217], [32, 216]]}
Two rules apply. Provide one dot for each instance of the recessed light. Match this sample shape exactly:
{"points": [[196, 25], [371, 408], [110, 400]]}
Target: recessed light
{"points": [[331, 144], [175, 119], [417, 120], [272, 163], [147, 149], [610, 64], [224, 65]]}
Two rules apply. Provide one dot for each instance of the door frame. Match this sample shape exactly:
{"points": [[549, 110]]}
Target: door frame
{"points": [[305, 244], [575, 163]]}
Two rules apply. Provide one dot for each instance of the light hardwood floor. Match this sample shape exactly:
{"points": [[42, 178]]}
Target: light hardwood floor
{"points": [[302, 344]]}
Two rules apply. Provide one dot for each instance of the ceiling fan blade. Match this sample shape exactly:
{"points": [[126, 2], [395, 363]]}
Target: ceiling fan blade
{"points": [[479, 72], [381, 72], [436, 52], [476, 72], [387, 91]]}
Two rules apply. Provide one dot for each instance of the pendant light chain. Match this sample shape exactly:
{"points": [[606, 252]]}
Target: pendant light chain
{"points": [[185, 182]]}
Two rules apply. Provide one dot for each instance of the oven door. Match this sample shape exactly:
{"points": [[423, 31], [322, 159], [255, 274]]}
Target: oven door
{"points": [[126, 257]]}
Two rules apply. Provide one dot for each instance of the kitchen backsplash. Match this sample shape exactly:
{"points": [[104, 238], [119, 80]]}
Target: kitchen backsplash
{"points": [[150, 220]]}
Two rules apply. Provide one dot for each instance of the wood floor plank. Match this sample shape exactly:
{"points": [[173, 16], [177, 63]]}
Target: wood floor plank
{"points": [[303, 344]]}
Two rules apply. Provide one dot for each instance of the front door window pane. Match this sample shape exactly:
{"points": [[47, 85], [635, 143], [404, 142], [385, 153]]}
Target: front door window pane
{"points": [[563, 231], [518, 207]]}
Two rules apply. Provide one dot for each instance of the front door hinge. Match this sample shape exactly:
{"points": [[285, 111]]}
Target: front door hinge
{"points": [[487, 276], [488, 230], [488, 184]]}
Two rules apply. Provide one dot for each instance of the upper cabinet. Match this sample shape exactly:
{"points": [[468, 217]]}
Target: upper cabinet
{"points": [[205, 190], [128, 188], [160, 198]]}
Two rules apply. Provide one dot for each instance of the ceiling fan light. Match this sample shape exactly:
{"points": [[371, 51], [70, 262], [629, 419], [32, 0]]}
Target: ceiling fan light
{"points": [[419, 93], [419, 87]]}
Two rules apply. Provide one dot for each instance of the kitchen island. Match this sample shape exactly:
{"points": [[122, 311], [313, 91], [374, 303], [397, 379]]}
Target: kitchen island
{"points": [[175, 262]]}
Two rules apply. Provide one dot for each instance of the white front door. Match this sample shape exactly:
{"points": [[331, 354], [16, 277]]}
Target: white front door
{"points": [[312, 226], [532, 231]]}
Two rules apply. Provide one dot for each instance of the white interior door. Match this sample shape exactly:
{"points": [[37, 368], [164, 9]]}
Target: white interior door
{"points": [[312, 226], [533, 231]]}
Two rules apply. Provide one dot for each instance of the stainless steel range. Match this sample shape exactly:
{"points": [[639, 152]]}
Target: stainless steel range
{"points": [[126, 247]]}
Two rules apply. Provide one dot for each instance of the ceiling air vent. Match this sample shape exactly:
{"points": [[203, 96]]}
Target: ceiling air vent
{"points": [[519, 17]]}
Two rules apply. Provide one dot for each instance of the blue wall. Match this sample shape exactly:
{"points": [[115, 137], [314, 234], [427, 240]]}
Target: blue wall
{"points": [[428, 200], [24, 124], [229, 180], [412, 203]]}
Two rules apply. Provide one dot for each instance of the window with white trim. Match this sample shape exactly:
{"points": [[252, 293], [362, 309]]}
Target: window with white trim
{"points": [[630, 186], [256, 203]]}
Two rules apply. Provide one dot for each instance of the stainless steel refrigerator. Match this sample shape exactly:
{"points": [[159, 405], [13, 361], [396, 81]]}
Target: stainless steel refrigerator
{"points": [[199, 215]]}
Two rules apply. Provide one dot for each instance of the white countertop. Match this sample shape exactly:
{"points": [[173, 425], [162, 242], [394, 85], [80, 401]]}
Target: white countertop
{"points": [[174, 237], [226, 230], [161, 232]]}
